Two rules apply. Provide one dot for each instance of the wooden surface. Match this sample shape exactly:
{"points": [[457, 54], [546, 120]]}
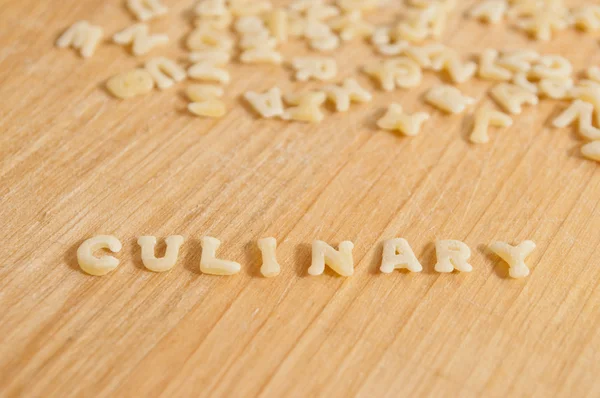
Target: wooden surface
{"points": [[74, 163]]}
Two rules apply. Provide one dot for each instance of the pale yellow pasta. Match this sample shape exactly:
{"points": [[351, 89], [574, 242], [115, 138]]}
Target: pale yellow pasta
{"points": [[211, 8], [98, 266], [216, 57], [582, 113], [342, 95], [303, 5], [587, 17], [491, 11], [395, 119], [515, 256], [321, 11], [270, 267], [381, 35], [385, 73], [205, 100], [307, 106], [210, 264], [399, 72], [555, 88], [277, 23], [591, 150], [512, 98], [165, 72], [340, 260], [213, 108], [397, 254], [423, 55], [325, 43], [489, 69], [552, 67], [452, 255], [587, 91], [209, 71], [209, 39], [518, 60], [528, 8], [258, 39], [219, 23], [446, 4], [524, 8], [412, 32], [587, 84], [520, 79], [392, 49], [268, 104], [351, 25], [458, 70], [257, 44], [593, 73], [316, 29], [296, 24], [145, 10], [435, 16], [261, 55], [542, 24], [428, 22], [358, 5], [320, 36], [82, 36], [168, 261], [317, 68], [130, 84], [385, 44], [250, 24], [201, 92], [484, 118], [242, 8], [421, 3], [139, 36], [448, 99]]}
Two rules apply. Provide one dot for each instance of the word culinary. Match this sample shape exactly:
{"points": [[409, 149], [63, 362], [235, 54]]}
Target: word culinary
{"points": [[397, 254]]}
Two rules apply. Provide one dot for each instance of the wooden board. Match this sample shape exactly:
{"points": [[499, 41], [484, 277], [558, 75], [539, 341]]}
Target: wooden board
{"points": [[75, 163]]}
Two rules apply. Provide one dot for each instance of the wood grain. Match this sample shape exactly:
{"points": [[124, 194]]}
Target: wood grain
{"points": [[74, 163]]}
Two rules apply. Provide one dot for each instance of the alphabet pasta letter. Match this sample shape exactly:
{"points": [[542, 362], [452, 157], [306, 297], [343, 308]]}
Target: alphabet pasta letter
{"points": [[148, 243], [339, 260], [210, 264], [397, 253], [165, 72], [270, 266], [451, 255], [98, 265], [82, 36], [514, 256]]}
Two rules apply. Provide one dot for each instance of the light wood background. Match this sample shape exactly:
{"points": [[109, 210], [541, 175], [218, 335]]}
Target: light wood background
{"points": [[75, 162]]}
